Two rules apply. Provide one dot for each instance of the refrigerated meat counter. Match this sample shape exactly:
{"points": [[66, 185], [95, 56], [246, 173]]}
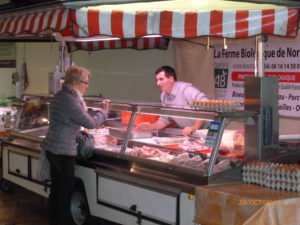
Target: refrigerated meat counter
{"points": [[136, 177]]}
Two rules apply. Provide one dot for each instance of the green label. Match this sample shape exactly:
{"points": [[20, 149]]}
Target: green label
{"points": [[221, 77]]}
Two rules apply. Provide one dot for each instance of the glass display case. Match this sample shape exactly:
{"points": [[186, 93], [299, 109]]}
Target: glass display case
{"points": [[208, 155], [212, 154], [32, 118]]}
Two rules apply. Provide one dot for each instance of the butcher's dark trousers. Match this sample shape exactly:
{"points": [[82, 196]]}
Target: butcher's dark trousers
{"points": [[61, 188]]}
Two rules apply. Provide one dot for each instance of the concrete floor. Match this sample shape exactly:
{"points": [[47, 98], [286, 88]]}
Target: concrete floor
{"points": [[22, 207]]}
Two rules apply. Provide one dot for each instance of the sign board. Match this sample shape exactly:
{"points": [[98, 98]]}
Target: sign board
{"points": [[282, 59]]}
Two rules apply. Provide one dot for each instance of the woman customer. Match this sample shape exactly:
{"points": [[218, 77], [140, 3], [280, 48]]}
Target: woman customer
{"points": [[68, 113]]}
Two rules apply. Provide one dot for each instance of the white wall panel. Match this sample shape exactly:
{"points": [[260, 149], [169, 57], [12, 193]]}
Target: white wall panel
{"points": [[117, 74]]}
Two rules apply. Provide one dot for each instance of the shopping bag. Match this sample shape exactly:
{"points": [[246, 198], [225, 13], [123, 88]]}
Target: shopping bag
{"points": [[85, 145], [43, 169]]}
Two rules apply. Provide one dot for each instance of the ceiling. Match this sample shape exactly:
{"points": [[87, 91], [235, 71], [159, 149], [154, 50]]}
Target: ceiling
{"points": [[15, 4], [287, 3], [11, 5], [7, 6]]}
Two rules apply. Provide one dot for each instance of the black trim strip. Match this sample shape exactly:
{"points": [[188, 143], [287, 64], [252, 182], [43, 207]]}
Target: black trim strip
{"points": [[29, 167], [27, 178], [85, 163]]}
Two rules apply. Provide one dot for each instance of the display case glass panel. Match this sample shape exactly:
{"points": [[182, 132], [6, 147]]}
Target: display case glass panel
{"points": [[122, 136]]}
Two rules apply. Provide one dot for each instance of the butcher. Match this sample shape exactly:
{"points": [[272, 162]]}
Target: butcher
{"points": [[175, 94]]}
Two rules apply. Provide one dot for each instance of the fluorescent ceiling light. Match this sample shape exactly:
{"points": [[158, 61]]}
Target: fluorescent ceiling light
{"points": [[58, 37]]}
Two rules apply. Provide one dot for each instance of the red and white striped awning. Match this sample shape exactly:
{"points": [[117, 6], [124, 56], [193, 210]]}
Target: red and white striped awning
{"points": [[136, 43], [35, 23], [59, 21], [187, 19], [176, 19]]}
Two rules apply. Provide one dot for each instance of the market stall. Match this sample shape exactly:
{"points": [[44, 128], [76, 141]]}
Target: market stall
{"points": [[147, 174]]}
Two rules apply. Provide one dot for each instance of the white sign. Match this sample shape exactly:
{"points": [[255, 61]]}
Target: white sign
{"points": [[281, 60]]}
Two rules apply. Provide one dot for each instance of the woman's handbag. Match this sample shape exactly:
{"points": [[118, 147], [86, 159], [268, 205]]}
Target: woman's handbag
{"points": [[85, 145], [43, 169]]}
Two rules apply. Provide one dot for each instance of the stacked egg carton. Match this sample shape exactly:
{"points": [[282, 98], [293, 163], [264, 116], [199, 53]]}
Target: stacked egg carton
{"points": [[273, 175], [215, 105]]}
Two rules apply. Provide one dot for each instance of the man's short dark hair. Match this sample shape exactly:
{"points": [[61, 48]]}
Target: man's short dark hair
{"points": [[169, 71]]}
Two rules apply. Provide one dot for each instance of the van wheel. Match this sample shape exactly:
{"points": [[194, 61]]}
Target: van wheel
{"points": [[79, 206], [6, 186]]}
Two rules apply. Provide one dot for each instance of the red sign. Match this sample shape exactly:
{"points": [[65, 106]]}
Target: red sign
{"points": [[283, 77]]}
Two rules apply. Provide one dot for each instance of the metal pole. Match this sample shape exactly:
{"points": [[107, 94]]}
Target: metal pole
{"points": [[256, 57], [71, 58], [62, 48], [259, 56], [129, 128]]}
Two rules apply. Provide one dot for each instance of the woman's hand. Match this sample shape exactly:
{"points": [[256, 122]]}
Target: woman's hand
{"points": [[105, 104]]}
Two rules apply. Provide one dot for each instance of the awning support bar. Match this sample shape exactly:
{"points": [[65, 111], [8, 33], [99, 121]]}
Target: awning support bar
{"points": [[259, 56]]}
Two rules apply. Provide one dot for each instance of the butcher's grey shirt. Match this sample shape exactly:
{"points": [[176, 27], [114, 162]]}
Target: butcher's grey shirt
{"points": [[182, 96], [67, 116]]}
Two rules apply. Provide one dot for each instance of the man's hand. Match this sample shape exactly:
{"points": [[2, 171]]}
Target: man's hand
{"points": [[144, 126], [187, 131], [159, 124]]}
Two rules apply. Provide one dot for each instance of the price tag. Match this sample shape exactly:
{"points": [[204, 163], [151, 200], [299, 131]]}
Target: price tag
{"points": [[213, 130]]}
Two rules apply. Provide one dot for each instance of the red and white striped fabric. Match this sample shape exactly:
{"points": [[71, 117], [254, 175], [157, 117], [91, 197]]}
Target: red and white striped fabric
{"points": [[159, 19], [35, 22], [90, 22], [137, 43]]}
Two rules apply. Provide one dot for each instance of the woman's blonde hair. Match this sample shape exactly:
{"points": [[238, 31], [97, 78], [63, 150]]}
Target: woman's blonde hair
{"points": [[76, 74]]}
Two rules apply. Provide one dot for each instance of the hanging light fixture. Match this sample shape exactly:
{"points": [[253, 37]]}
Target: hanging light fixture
{"points": [[59, 37], [224, 44], [208, 45]]}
